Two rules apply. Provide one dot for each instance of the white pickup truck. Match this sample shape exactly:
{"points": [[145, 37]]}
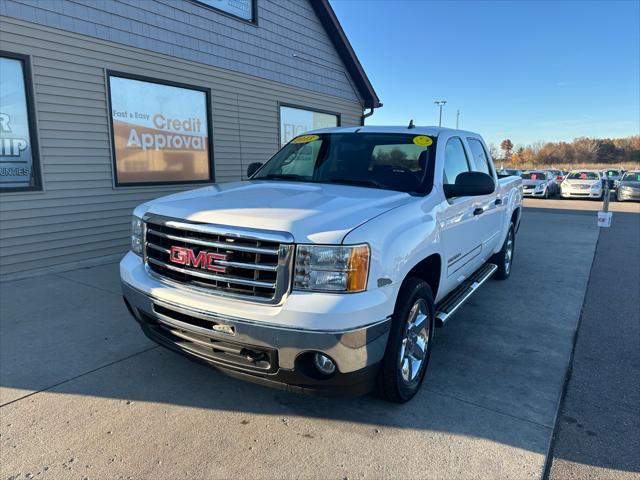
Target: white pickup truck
{"points": [[330, 267]]}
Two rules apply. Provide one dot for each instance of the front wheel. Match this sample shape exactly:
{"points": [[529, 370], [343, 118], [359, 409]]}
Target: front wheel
{"points": [[504, 258], [407, 357]]}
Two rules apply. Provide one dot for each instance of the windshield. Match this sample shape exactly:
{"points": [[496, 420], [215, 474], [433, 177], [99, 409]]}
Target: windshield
{"points": [[612, 173], [387, 161], [534, 176], [583, 176], [631, 177]]}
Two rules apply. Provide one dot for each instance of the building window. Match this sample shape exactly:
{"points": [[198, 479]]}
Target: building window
{"points": [[160, 131], [244, 9], [295, 121], [18, 144]]}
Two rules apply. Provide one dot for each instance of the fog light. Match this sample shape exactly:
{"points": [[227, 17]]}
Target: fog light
{"points": [[324, 364]]}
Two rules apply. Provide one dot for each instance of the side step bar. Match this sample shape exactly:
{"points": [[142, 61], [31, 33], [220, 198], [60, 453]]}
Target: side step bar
{"points": [[456, 299]]}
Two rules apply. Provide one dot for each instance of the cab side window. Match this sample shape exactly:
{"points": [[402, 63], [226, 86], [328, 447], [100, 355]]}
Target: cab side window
{"points": [[480, 157], [455, 160]]}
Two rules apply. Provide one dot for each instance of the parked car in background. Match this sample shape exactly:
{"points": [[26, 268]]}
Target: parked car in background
{"points": [[559, 176], [583, 184], [612, 177], [629, 186], [538, 183]]}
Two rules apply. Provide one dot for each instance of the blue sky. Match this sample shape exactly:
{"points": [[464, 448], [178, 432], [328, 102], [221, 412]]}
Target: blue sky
{"points": [[526, 71]]}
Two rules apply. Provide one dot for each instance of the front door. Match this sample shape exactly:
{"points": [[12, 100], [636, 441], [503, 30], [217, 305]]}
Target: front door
{"points": [[460, 238]]}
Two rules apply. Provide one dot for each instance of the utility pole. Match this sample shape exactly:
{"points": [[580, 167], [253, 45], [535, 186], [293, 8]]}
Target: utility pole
{"points": [[440, 104], [457, 119]]}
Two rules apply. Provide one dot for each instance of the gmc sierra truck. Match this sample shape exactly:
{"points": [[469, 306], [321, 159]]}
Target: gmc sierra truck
{"points": [[329, 267]]}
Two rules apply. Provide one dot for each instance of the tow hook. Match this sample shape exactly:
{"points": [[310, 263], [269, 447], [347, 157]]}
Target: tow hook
{"points": [[254, 356]]}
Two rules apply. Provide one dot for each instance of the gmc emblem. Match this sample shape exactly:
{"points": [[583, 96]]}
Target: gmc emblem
{"points": [[204, 260]]}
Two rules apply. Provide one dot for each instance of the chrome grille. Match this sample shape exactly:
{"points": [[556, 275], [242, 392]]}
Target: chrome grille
{"points": [[254, 265]]}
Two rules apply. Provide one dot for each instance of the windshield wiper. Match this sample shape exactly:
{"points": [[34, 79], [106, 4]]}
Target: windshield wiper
{"points": [[283, 176], [359, 182]]}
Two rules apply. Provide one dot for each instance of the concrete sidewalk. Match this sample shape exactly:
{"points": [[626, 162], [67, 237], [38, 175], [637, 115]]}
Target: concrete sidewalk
{"points": [[84, 394]]}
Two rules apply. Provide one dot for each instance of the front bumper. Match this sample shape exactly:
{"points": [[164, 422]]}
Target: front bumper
{"points": [[271, 355], [533, 193], [627, 194], [581, 193]]}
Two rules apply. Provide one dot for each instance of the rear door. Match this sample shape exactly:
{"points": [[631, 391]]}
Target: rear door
{"points": [[489, 222]]}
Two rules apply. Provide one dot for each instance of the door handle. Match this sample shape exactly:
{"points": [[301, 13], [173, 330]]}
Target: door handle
{"points": [[478, 211], [498, 201]]}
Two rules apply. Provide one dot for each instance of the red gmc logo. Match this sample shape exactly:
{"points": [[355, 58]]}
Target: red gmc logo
{"points": [[204, 260]]}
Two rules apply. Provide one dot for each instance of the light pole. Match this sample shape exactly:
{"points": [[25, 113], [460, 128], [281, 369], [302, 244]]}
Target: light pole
{"points": [[441, 104], [457, 119]]}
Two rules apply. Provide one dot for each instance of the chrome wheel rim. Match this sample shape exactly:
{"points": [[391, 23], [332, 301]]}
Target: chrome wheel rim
{"points": [[415, 342], [508, 254]]}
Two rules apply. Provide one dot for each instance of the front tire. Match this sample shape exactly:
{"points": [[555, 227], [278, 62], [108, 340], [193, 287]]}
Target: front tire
{"points": [[409, 348], [504, 258]]}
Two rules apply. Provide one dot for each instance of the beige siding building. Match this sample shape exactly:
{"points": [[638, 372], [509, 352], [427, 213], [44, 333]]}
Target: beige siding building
{"points": [[107, 104]]}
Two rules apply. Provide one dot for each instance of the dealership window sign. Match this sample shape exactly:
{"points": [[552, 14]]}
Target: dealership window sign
{"points": [[18, 150], [238, 8], [160, 132], [296, 121]]}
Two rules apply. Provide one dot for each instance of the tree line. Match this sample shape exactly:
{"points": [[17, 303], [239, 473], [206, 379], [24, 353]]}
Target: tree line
{"points": [[581, 151]]}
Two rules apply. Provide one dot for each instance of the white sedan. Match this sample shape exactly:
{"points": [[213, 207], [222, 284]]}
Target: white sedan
{"points": [[582, 184]]}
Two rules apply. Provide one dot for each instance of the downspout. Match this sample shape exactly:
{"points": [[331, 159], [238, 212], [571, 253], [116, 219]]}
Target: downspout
{"points": [[368, 114]]}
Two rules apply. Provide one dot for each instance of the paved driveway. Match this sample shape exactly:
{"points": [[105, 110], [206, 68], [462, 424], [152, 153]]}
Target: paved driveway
{"points": [[84, 394]]}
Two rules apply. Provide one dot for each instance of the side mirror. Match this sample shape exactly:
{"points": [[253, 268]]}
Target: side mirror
{"points": [[253, 168], [470, 184]]}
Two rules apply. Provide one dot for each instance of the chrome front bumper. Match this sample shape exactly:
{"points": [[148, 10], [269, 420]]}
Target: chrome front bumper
{"points": [[273, 355]]}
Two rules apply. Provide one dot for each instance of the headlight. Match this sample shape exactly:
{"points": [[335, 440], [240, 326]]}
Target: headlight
{"points": [[331, 268], [137, 235], [596, 186]]}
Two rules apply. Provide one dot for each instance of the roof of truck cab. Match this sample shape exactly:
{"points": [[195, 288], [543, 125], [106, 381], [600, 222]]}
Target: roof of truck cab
{"points": [[430, 131]]}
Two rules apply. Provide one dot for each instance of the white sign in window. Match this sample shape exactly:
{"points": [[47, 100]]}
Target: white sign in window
{"points": [[18, 153], [160, 132], [296, 121], [238, 8]]}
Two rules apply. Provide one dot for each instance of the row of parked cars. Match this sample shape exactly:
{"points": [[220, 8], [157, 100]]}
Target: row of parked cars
{"points": [[546, 183]]}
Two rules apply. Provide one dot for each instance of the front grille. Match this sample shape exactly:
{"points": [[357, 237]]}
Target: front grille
{"points": [[245, 264]]}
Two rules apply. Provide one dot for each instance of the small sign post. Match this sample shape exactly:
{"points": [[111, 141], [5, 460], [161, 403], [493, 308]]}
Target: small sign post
{"points": [[604, 216]]}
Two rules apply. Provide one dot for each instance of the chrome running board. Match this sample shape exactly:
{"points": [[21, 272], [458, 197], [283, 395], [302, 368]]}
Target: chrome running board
{"points": [[456, 299]]}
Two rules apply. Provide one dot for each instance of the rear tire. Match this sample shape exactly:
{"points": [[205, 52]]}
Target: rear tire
{"points": [[504, 258], [407, 356]]}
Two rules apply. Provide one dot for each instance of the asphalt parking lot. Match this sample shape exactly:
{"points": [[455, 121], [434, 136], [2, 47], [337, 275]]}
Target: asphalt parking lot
{"points": [[85, 395]]}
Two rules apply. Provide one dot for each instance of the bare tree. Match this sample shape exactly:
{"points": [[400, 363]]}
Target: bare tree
{"points": [[507, 147]]}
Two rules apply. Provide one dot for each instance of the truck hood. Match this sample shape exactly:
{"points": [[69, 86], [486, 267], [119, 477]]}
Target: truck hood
{"points": [[314, 213]]}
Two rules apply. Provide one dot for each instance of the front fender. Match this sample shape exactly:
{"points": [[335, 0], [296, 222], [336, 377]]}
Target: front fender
{"points": [[399, 240]]}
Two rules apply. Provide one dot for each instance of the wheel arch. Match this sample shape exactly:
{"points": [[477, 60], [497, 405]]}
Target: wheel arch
{"points": [[428, 269]]}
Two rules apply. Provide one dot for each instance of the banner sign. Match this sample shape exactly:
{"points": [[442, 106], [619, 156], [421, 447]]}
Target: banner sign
{"points": [[16, 155], [296, 121], [160, 132]]}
